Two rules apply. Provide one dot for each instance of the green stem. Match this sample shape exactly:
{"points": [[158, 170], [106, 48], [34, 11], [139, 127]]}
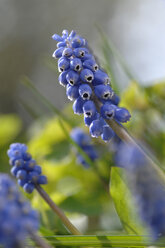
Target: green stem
{"points": [[58, 211]]}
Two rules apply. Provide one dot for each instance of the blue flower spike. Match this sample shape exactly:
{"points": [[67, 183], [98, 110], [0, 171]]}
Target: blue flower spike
{"points": [[84, 142], [147, 188], [90, 83], [30, 177], [17, 218], [24, 168]]}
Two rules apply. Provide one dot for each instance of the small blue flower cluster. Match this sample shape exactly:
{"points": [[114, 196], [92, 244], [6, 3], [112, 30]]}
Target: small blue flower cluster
{"points": [[84, 142], [87, 85], [17, 217], [24, 168], [147, 188]]}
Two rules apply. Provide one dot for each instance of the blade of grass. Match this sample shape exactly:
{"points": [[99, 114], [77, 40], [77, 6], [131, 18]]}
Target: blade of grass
{"points": [[103, 241]]}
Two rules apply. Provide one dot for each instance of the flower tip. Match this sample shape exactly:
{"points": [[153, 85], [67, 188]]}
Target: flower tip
{"points": [[57, 37], [72, 34], [53, 36]]}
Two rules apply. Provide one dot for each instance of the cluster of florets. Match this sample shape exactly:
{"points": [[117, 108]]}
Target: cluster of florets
{"points": [[17, 217], [84, 142], [146, 186], [87, 85], [24, 168]]}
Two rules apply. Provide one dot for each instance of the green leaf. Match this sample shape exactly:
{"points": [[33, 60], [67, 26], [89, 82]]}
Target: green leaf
{"points": [[103, 241], [124, 204]]}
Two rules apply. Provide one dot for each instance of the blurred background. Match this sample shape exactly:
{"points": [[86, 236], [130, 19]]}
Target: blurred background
{"points": [[131, 48], [135, 27]]}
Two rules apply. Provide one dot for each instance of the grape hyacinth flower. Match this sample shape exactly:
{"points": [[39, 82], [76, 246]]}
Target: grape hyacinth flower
{"points": [[147, 187], [24, 168], [84, 142], [30, 177], [17, 218], [87, 85]]}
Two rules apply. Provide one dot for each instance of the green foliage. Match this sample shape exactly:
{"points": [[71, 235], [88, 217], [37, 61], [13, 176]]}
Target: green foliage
{"points": [[124, 203]]}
